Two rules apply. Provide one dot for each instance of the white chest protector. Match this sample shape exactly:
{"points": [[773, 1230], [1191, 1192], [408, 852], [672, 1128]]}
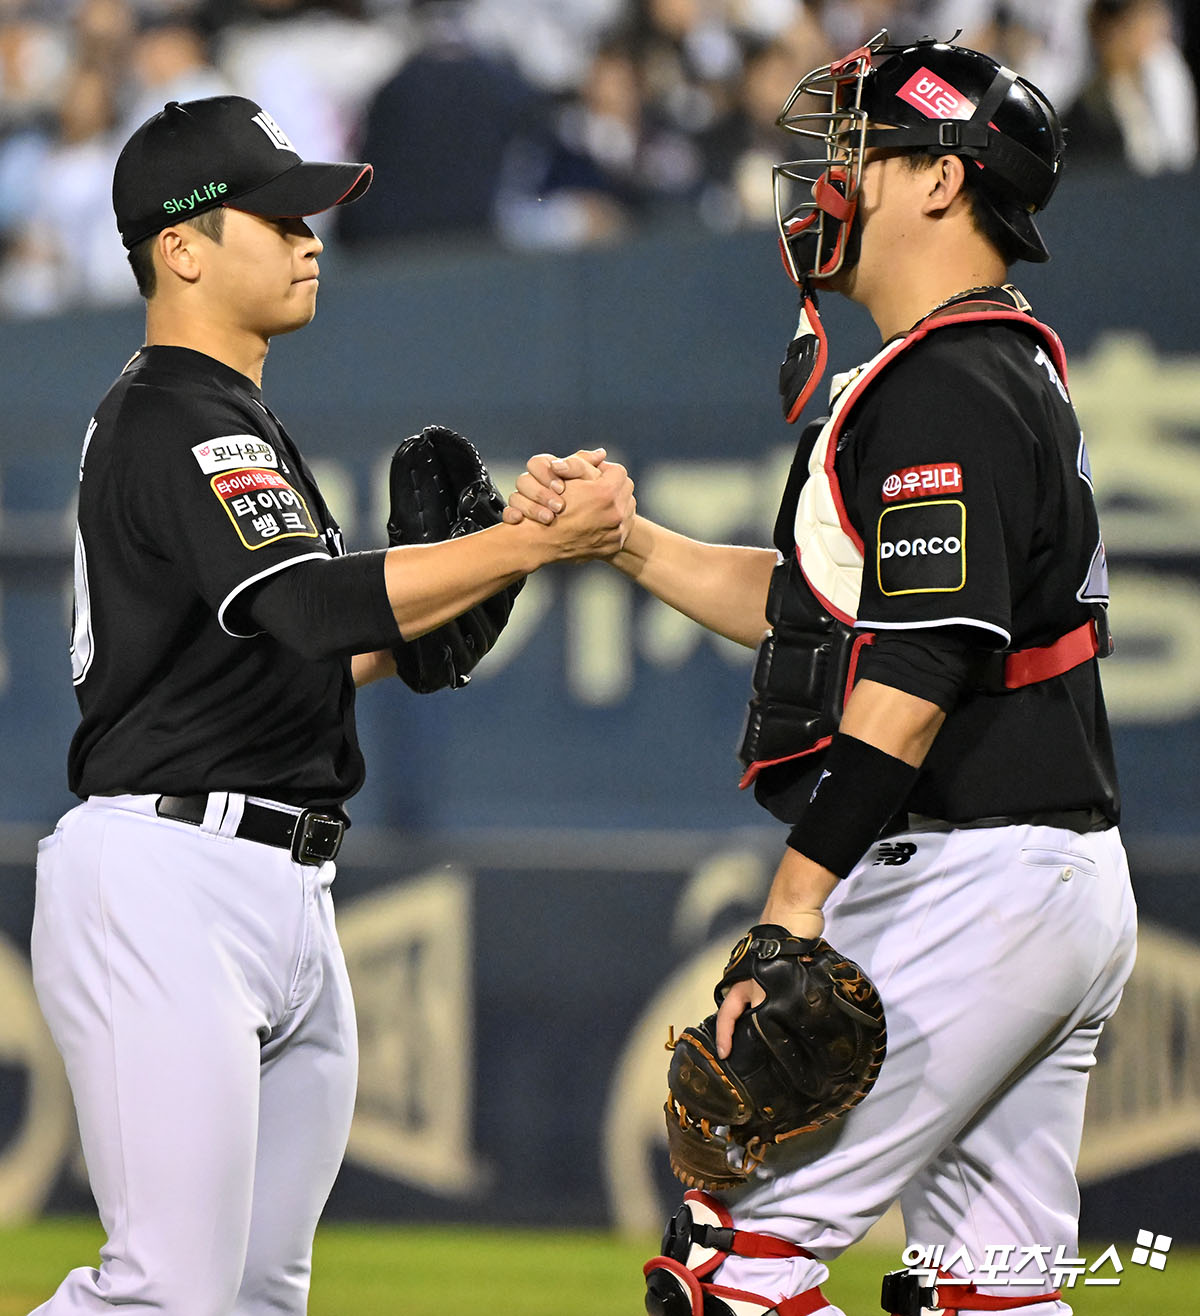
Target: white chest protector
{"points": [[829, 548], [807, 662]]}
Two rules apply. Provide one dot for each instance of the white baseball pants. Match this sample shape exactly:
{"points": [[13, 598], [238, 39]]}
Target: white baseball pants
{"points": [[194, 984], [998, 954]]}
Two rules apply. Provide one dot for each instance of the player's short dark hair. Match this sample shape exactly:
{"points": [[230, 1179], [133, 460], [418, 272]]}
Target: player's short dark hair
{"points": [[987, 223], [211, 223]]}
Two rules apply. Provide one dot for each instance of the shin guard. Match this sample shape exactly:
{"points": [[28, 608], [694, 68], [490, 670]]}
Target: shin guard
{"points": [[915, 1293], [698, 1238]]}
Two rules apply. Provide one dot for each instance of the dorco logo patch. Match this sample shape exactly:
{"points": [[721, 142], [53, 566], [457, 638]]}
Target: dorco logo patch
{"points": [[922, 548], [263, 507], [923, 481], [234, 452]]}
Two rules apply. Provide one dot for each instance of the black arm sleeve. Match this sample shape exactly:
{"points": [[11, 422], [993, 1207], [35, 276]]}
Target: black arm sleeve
{"points": [[327, 608], [930, 664]]}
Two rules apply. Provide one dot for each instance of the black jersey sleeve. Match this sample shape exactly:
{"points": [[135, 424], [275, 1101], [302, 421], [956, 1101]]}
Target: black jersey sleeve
{"points": [[942, 480], [209, 487], [327, 609]]}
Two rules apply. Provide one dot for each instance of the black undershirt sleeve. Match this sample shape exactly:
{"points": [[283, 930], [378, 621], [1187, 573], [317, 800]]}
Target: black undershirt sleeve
{"points": [[931, 664], [327, 608]]}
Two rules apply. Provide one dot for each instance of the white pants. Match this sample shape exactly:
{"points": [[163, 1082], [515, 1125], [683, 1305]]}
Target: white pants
{"points": [[998, 954], [194, 985]]}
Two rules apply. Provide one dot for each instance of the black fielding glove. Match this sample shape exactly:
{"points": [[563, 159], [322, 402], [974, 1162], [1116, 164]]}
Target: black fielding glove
{"points": [[440, 489], [807, 1054]]}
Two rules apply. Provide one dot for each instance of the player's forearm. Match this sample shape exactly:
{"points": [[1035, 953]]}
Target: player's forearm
{"points": [[721, 586], [898, 723], [430, 584], [867, 777]]}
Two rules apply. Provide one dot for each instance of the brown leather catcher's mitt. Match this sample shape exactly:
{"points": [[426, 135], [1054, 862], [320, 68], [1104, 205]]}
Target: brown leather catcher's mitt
{"points": [[805, 1056]]}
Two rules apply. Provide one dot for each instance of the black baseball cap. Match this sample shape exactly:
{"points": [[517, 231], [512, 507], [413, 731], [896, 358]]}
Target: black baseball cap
{"points": [[194, 156]]}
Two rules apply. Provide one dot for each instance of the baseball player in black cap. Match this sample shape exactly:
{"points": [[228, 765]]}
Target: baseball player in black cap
{"points": [[184, 950], [927, 717]]}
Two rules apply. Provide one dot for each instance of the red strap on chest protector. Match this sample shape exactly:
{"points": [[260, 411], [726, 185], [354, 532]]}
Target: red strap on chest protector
{"points": [[1028, 666], [803, 1304], [989, 1302]]}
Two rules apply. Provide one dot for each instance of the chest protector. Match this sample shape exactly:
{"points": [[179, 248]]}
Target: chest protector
{"points": [[807, 662]]}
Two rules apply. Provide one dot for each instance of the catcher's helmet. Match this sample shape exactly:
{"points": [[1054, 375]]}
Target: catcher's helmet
{"points": [[926, 96]]}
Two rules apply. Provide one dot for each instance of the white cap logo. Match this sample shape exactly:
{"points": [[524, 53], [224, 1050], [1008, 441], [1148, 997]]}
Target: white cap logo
{"points": [[279, 139]]}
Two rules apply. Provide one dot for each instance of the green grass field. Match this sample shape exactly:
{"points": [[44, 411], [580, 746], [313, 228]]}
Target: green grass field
{"points": [[390, 1271]]}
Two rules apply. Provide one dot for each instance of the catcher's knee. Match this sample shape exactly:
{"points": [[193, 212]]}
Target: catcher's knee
{"points": [[698, 1238], [918, 1293]]}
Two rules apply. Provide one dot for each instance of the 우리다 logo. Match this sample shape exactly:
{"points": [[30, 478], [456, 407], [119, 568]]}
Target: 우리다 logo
{"points": [[923, 481]]}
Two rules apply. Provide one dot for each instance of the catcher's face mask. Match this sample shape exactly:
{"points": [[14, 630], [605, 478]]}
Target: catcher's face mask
{"points": [[816, 197], [929, 96]]}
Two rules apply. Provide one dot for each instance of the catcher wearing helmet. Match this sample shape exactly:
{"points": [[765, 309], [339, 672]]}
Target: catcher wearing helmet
{"points": [[926, 718]]}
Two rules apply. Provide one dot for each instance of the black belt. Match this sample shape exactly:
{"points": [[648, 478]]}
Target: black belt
{"points": [[1073, 820], [311, 837]]}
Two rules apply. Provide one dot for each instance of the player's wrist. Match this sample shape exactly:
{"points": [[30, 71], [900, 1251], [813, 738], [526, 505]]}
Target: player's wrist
{"points": [[798, 892], [532, 546]]}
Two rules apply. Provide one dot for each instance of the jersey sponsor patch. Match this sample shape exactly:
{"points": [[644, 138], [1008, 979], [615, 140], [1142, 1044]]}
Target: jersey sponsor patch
{"points": [[234, 452], [263, 507], [922, 548], [923, 481]]}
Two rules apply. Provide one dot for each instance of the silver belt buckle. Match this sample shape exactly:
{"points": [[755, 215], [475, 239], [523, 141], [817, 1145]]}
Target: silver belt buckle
{"points": [[317, 837]]}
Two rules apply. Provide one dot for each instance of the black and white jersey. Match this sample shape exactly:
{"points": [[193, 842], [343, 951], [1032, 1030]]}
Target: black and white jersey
{"points": [[965, 474], [191, 492]]}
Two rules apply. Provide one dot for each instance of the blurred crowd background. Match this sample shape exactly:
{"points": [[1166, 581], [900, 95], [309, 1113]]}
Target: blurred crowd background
{"points": [[547, 124]]}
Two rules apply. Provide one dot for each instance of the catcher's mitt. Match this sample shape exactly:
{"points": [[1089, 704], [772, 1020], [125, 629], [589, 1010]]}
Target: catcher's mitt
{"points": [[440, 489], [805, 1056]]}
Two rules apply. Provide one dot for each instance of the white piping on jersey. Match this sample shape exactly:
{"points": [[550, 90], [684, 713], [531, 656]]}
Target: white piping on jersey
{"points": [[252, 580], [866, 625], [87, 443], [829, 549], [830, 553]]}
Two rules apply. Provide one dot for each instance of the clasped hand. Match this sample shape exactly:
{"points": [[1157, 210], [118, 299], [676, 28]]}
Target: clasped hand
{"points": [[587, 500]]}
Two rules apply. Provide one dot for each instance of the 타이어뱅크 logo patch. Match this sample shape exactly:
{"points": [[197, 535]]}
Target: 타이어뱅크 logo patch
{"points": [[923, 481], [922, 548], [263, 507]]}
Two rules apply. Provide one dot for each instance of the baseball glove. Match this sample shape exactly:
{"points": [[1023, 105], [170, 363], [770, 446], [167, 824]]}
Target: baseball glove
{"points": [[803, 1057], [440, 489]]}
